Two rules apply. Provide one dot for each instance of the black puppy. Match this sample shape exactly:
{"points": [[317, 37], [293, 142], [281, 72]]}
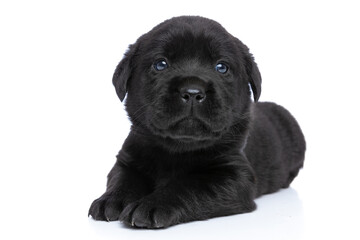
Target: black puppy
{"points": [[198, 147]]}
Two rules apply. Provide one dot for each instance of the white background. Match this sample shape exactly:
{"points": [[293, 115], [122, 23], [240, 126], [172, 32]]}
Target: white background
{"points": [[61, 123]]}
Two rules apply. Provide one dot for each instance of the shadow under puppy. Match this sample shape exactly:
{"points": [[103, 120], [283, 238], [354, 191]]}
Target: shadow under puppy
{"points": [[198, 147]]}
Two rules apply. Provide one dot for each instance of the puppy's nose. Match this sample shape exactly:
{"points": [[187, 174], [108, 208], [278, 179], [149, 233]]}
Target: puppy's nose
{"points": [[192, 94]]}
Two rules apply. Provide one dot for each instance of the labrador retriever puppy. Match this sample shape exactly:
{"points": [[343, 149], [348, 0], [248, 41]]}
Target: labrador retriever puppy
{"points": [[199, 147]]}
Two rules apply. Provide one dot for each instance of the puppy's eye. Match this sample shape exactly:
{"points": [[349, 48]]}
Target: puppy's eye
{"points": [[221, 68], [160, 65]]}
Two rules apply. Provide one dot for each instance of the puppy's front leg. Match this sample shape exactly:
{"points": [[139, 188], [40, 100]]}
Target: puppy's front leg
{"points": [[216, 190], [125, 185]]}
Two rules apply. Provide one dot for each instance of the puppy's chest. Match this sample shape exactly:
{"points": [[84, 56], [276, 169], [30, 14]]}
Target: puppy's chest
{"points": [[172, 168]]}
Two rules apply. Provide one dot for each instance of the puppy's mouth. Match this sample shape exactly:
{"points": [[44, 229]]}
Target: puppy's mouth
{"points": [[187, 130]]}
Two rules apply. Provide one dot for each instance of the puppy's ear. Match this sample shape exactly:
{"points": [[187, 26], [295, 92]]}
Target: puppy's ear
{"points": [[254, 76], [123, 72], [252, 70]]}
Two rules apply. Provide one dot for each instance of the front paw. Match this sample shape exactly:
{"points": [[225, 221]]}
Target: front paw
{"points": [[106, 208], [149, 214]]}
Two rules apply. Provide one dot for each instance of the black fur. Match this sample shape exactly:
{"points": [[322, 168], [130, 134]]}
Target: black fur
{"points": [[192, 161]]}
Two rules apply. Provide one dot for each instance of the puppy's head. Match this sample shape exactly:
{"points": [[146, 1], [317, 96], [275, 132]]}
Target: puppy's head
{"points": [[187, 82]]}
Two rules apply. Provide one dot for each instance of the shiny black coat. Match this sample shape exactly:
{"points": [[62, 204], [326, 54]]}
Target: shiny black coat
{"points": [[186, 161]]}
